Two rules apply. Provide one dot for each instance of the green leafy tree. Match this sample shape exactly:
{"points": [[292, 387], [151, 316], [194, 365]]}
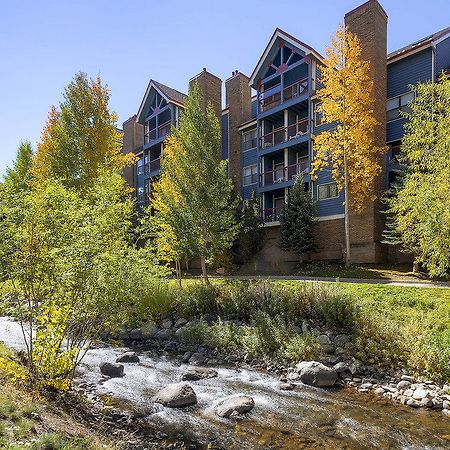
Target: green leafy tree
{"points": [[195, 187], [419, 206], [18, 177], [298, 220], [251, 234]]}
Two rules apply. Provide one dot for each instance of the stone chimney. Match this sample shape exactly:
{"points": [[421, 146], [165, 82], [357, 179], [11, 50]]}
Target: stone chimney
{"points": [[211, 89], [369, 22], [133, 137], [239, 103]]}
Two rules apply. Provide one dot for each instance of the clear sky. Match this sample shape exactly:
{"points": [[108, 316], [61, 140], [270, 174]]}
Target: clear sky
{"points": [[43, 43]]}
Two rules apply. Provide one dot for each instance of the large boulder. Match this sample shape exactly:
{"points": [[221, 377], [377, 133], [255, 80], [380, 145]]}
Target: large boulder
{"points": [[128, 357], [316, 374], [234, 406], [198, 373], [136, 334], [112, 370], [197, 358], [176, 395]]}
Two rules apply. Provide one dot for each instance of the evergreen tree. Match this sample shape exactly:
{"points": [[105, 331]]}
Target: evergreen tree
{"points": [[419, 207], [298, 220], [194, 187]]}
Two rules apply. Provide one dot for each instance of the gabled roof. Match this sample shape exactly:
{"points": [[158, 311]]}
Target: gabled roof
{"points": [[280, 34], [421, 44], [170, 94]]}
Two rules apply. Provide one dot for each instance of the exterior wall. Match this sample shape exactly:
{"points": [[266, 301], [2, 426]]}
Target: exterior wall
{"points": [[369, 23], [224, 127], [133, 135], [330, 240], [442, 55], [211, 89], [238, 99]]}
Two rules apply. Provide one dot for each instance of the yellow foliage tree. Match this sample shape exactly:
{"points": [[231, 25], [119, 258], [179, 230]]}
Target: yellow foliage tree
{"points": [[346, 103]]}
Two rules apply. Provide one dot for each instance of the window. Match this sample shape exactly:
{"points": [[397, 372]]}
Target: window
{"points": [[249, 140], [318, 114], [250, 175], [326, 191], [140, 166], [140, 194], [397, 104]]}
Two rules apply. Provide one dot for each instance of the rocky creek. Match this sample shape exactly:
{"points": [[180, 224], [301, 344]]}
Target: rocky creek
{"points": [[305, 417]]}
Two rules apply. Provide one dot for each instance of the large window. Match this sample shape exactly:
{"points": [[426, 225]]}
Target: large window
{"points": [[397, 104], [250, 175], [249, 140], [140, 166], [326, 191]]}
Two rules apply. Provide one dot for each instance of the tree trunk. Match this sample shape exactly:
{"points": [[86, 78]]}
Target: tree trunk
{"points": [[204, 272], [415, 266], [346, 214], [178, 269]]}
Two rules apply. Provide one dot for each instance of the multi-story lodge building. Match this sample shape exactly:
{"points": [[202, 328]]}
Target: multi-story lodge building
{"points": [[268, 138]]}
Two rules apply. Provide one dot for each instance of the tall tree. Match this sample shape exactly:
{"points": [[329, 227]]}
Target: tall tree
{"points": [[194, 182], [80, 136], [419, 204], [348, 148], [298, 220]]}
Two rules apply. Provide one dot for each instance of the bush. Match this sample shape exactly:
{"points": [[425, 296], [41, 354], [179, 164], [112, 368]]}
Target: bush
{"points": [[300, 347], [337, 310], [196, 300]]}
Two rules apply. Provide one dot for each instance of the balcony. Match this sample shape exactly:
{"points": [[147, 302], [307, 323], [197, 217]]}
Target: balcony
{"points": [[282, 174], [156, 133], [272, 97], [153, 165], [284, 134], [272, 214]]}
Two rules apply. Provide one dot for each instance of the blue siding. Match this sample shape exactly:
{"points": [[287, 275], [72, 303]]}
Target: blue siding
{"points": [[442, 55], [332, 206], [254, 107], [408, 70], [249, 157], [247, 191], [395, 130], [225, 136]]}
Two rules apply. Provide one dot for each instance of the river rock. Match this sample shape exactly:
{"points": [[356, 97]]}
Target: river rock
{"points": [[234, 406], [197, 358], [181, 322], [148, 330], [124, 335], [403, 384], [176, 395], [164, 335], [316, 374], [136, 334], [407, 378], [325, 343], [419, 394], [128, 357], [198, 373], [446, 412], [342, 369], [379, 391], [112, 370], [286, 386], [167, 324], [413, 403]]}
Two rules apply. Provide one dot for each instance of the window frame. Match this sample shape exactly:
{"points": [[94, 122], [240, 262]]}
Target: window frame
{"points": [[251, 166], [255, 138], [399, 107], [327, 184]]}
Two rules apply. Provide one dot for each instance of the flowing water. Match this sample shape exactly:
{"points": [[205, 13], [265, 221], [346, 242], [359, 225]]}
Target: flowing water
{"points": [[307, 418]]}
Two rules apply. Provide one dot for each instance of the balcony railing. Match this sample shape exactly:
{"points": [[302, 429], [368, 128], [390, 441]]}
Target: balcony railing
{"points": [[272, 214], [282, 174], [154, 164], [272, 97], [156, 133], [283, 134], [295, 89]]}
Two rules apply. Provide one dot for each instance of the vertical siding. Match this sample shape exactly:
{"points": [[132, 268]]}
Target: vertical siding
{"points": [[225, 136], [332, 206], [395, 130]]}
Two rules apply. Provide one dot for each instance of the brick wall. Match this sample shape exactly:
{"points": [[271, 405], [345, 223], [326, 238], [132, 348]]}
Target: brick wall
{"points": [[211, 89], [133, 136], [239, 102], [330, 240], [369, 23]]}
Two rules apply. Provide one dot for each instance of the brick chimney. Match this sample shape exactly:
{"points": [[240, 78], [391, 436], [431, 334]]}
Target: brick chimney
{"points": [[239, 103], [211, 89], [133, 137], [369, 22]]}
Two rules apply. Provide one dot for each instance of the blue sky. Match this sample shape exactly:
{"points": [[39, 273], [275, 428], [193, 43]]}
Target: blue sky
{"points": [[44, 43]]}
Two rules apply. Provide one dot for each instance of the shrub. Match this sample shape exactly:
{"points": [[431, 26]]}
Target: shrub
{"points": [[196, 300], [196, 333], [300, 347], [337, 310]]}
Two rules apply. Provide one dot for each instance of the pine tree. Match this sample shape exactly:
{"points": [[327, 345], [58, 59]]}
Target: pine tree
{"points": [[195, 186], [419, 207], [298, 221], [347, 148]]}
